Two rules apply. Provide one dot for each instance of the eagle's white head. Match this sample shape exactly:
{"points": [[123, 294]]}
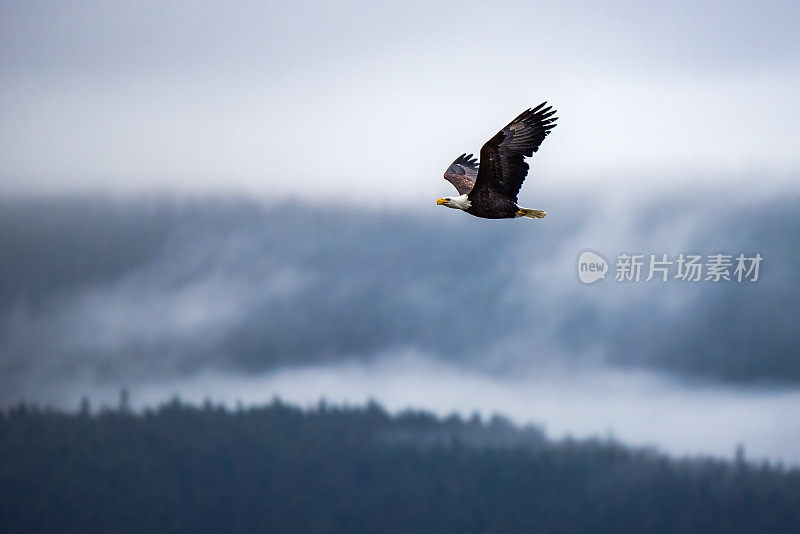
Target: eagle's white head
{"points": [[460, 202]]}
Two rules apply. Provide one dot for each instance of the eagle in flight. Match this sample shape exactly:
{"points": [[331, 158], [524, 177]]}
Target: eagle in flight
{"points": [[490, 190]]}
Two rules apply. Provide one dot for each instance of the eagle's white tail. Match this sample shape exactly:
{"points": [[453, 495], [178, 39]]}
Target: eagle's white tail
{"points": [[531, 214]]}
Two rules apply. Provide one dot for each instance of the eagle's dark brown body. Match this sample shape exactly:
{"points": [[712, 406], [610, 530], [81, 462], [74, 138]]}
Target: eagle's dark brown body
{"points": [[494, 206]]}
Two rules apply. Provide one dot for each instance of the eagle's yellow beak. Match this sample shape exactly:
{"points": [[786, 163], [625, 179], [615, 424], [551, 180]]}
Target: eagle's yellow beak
{"points": [[441, 201]]}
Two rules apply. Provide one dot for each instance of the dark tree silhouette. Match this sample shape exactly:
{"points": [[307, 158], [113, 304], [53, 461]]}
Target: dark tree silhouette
{"points": [[280, 469]]}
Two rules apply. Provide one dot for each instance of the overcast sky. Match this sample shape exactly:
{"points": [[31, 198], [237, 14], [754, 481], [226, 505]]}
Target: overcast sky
{"points": [[357, 99]]}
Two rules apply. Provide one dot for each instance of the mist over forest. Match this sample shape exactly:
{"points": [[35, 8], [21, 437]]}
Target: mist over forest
{"points": [[125, 291]]}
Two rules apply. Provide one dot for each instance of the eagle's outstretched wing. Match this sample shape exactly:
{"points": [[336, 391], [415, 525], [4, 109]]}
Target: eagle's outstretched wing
{"points": [[503, 166], [462, 173]]}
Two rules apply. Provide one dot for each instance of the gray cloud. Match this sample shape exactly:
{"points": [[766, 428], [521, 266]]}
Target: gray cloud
{"points": [[139, 291]]}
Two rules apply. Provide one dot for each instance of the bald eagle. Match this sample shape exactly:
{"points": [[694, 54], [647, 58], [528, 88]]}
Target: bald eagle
{"points": [[490, 190]]}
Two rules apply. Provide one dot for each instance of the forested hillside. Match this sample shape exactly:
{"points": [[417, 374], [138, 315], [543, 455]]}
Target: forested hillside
{"points": [[277, 468]]}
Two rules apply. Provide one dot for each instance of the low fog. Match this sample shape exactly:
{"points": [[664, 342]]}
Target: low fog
{"points": [[237, 301]]}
